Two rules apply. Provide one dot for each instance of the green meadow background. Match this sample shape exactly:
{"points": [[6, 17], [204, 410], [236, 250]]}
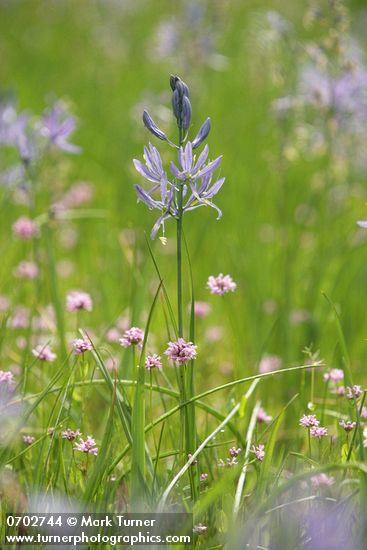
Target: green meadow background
{"points": [[281, 238]]}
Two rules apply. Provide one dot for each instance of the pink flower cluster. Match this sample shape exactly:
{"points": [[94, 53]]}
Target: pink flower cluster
{"points": [[70, 435], [334, 375], [81, 345], [44, 353], [26, 229], [26, 270], [322, 480], [181, 352], [222, 284], [353, 393], [309, 421], [318, 431], [259, 452], [132, 337], [77, 301], [269, 363], [347, 425], [232, 460], [262, 416], [86, 446], [6, 377], [153, 362]]}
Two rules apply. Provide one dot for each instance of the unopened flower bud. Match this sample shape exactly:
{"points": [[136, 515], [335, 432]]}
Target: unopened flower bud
{"points": [[202, 134], [152, 127], [186, 113]]}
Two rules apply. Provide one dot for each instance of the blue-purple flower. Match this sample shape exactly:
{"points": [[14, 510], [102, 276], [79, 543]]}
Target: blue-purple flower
{"points": [[196, 175], [57, 126]]}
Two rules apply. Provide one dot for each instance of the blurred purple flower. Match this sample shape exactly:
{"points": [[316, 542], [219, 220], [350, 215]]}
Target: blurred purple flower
{"points": [[57, 126]]}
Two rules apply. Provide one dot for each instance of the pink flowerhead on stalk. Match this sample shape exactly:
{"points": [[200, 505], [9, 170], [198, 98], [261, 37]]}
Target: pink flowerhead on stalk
{"points": [[26, 270], [269, 363], [322, 480], [28, 439], [153, 362], [364, 412], [318, 431], [87, 446], [353, 393], [259, 452], [132, 337], [81, 345], [70, 435], [234, 452], [77, 301], [203, 477], [222, 284], [6, 378], [348, 425], [334, 375], [25, 228], [181, 352], [340, 391], [309, 421], [262, 416], [44, 353]]}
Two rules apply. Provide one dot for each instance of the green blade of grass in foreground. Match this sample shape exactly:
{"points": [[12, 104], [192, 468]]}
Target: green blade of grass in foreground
{"points": [[138, 487]]}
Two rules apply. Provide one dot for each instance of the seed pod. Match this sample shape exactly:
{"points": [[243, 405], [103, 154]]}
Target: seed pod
{"points": [[152, 127], [202, 134]]}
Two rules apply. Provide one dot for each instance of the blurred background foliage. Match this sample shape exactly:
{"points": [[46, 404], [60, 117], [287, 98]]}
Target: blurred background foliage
{"points": [[285, 236]]}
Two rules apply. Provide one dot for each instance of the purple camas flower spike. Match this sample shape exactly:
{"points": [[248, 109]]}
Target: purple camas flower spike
{"points": [[152, 127], [202, 134], [190, 184]]}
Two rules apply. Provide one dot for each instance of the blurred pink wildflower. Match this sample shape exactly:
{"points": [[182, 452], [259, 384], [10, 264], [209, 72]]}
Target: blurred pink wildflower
{"points": [[70, 435], [269, 363], [348, 425], [44, 353], [76, 301], [334, 375], [322, 480], [262, 416], [26, 270], [222, 284], [25, 228], [259, 452], [353, 393]]}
